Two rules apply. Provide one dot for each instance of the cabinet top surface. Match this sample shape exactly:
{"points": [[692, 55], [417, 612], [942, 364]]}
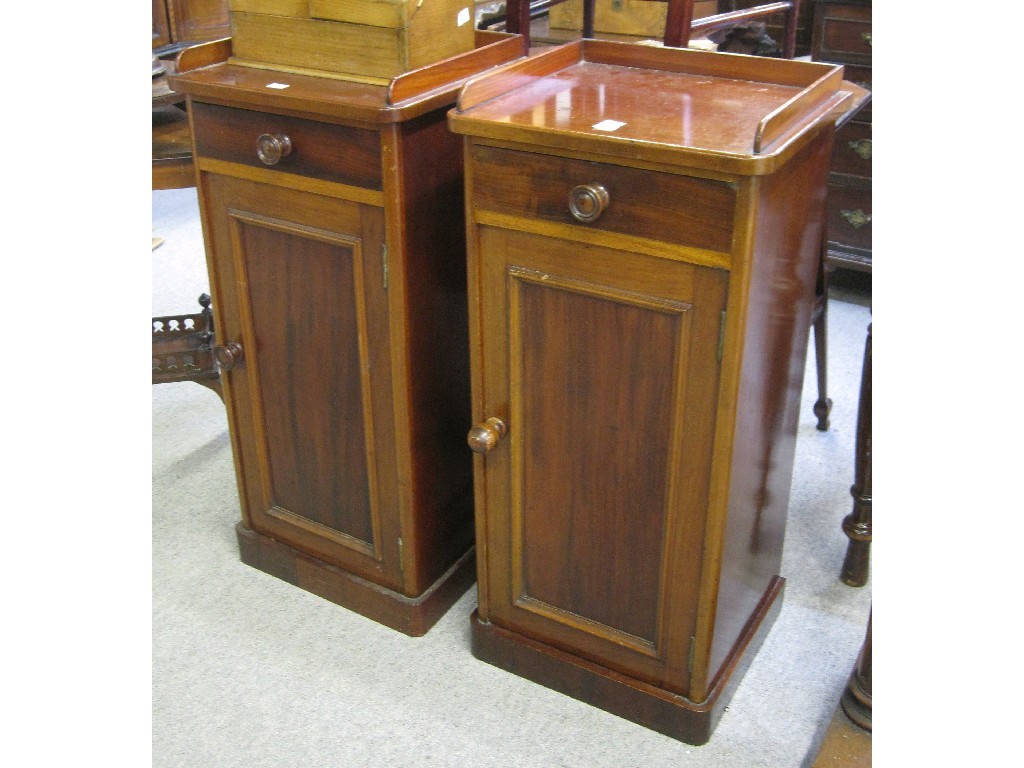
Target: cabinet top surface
{"points": [[722, 110], [671, 108], [207, 73]]}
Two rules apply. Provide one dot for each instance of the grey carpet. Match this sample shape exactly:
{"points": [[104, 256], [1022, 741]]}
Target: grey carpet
{"points": [[252, 672]]}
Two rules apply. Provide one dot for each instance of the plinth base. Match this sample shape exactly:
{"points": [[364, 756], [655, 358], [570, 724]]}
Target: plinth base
{"points": [[634, 700], [410, 615]]}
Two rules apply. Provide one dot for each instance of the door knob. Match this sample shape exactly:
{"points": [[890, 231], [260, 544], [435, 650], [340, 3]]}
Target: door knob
{"points": [[483, 437], [270, 148], [228, 355], [588, 201]]}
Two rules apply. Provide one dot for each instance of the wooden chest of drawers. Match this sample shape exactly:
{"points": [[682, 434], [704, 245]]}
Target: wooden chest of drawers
{"points": [[842, 35], [641, 283], [333, 218]]}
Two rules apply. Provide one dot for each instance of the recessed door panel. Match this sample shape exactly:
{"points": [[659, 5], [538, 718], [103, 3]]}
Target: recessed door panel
{"points": [[304, 292], [593, 447]]}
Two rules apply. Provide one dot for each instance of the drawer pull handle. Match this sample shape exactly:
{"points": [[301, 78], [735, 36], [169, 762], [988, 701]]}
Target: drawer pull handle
{"points": [[866, 37], [588, 201], [228, 355], [862, 148], [270, 148], [483, 437], [856, 219]]}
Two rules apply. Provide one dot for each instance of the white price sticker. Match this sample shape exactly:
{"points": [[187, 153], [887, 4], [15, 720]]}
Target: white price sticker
{"points": [[463, 16], [607, 125]]}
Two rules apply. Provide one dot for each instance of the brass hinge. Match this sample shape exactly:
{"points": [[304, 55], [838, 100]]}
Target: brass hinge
{"points": [[384, 267], [721, 337], [689, 663]]}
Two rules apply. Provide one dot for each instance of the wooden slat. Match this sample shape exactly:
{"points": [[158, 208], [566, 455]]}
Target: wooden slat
{"points": [[450, 72], [203, 55], [484, 88]]}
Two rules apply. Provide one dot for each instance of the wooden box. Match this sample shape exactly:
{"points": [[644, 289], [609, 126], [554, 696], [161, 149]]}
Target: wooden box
{"points": [[623, 17], [365, 40]]}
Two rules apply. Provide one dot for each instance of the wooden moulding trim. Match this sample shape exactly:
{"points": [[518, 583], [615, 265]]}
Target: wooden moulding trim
{"points": [[348, 77], [477, 384], [735, 66], [453, 72], [631, 243], [292, 181], [396, 237], [634, 700], [616, 159], [204, 55], [804, 109], [523, 71], [725, 432], [412, 616]]}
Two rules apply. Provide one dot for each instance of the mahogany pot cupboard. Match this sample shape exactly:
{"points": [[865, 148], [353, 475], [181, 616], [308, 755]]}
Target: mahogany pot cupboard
{"points": [[332, 215], [640, 291]]}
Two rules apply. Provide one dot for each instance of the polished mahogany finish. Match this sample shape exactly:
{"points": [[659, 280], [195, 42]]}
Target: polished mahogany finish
{"points": [[857, 525], [338, 276], [645, 363]]}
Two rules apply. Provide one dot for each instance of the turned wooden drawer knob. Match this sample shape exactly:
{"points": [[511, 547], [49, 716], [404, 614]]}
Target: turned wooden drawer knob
{"points": [[483, 437], [588, 201], [270, 148], [228, 355]]}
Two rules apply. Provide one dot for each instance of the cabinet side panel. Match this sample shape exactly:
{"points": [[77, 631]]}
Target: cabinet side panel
{"points": [[789, 228], [433, 278], [302, 293]]}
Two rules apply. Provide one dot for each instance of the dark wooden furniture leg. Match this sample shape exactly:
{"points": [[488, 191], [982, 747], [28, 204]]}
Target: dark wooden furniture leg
{"points": [[819, 325], [856, 700], [857, 525]]}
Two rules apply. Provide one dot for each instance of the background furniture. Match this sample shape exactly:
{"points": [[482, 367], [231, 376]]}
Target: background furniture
{"points": [[180, 23], [680, 25], [332, 215], [857, 525], [640, 291], [842, 34]]}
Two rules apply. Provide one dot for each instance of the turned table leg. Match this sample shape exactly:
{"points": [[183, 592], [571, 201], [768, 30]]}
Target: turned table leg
{"points": [[857, 525], [819, 323], [856, 699]]}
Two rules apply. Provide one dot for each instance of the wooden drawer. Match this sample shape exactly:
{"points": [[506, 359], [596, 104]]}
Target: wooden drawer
{"points": [[319, 150], [659, 206], [851, 153], [849, 215], [842, 33]]}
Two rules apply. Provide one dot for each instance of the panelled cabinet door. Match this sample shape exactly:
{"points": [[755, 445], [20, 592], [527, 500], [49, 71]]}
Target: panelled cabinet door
{"points": [[302, 299], [603, 366]]}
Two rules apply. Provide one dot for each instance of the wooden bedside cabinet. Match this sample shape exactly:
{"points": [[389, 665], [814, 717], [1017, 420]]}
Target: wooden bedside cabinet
{"points": [[333, 218], [842, 35], [641, 282]]}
